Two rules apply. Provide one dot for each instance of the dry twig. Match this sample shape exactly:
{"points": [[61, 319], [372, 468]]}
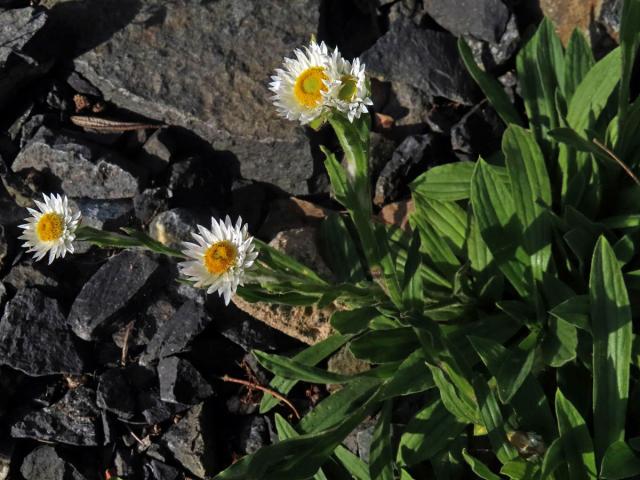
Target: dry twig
{"points": [[227, 378]]}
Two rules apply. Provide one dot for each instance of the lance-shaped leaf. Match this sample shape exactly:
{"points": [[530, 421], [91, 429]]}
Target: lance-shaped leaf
{"points": [[381, 456], [612, 336]]}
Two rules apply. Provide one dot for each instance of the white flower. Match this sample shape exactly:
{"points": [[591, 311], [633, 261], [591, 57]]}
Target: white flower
{"points": [[348, 90], [300, 86], [220, 257], [51, 229]]}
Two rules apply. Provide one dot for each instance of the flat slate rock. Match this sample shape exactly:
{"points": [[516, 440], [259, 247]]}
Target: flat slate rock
{"points": [[482, 19], [181, 383], [35, 337], [425, 59], [17, 27], [175, 335], [74, 420], [211, 78], [44, 463], [190, 441], [113, 288], [81, 169]]}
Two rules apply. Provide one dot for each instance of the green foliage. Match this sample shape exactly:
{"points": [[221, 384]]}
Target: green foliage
{"points": [[506, 312]]}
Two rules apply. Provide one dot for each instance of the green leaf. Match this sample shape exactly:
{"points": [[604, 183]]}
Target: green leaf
{"points": [[285, 431], [339, 250], [619, 462], [578, 60], [479, 468], [520, 470], [381, 346], [447, 218], [612, 336], [380, 456], [285, 264], [427, 433], [390, 273], [456, 402], [309, 356], [629, 41], [353, 321], [494, 210], [412, 285], [553, 459], [434, 246], [285, 367], [531, 192], [490, 86], [412, 376], [592, 94], [352, 463], [447, 182], [576, 441], [492, 419], [560, 343]]}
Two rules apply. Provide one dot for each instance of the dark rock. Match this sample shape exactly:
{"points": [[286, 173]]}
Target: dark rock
{"points": [[3, 246], [175, 226], [35, 337], [115, 393], [44, 463], [380, 152], [7, 446], [426, 59], [156, 155], [253, 434], [125, 463], [482, 19], [118, 284], [248, 200], [492, 55], [408, 160], [74, 420], [198, 181], [3, 293], [105, 214], [17, 28], [81, 85], [174, 335], [180, 382], [479, 132], [609, 17], [224, 98], [162, 471], [359, 440], [80, 169], [146, 324], [190, 441], [151, 202]]}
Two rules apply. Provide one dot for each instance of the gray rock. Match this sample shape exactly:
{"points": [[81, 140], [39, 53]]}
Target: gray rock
{"points": [[155, 155], [479, 132], [3, 246], [81, 169], [408, 161], [117, 285], [74, 420], [150, 202], [493, 54], [28, 276], [7, 446], [115, 393], [3, 293], [175, 226], [180, 382], [35, 337], [190, 441], [198, 181], [162, 471], [426, 59], [174, 335], [103, 215], [253, 434], [44, 463], [229, 51], [482, 19], [17, 27]]}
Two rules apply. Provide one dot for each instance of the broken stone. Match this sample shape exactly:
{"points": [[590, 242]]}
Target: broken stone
{"points": [[409, 159], [44, 463], [155, 155], [190, 441], [396, 54], [3, 246], [175, 226], [117, 284], [174, 335], [198, 181], [181, 383], [309, 324], [253, 434], [482, 19], [568, 15], [74, 420], [236, 57], [151, 202], [479, 132], [80, 169], [35, 337], [29, 276], [114, 393], [248, 200], [7, 446], [397, 213], [162, 471], [290, 213]]}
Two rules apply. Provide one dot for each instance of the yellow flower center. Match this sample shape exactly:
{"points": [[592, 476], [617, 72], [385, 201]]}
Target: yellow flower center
{"points": [[349, 88], [220, 257], [309, 86], [50, 227]]}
